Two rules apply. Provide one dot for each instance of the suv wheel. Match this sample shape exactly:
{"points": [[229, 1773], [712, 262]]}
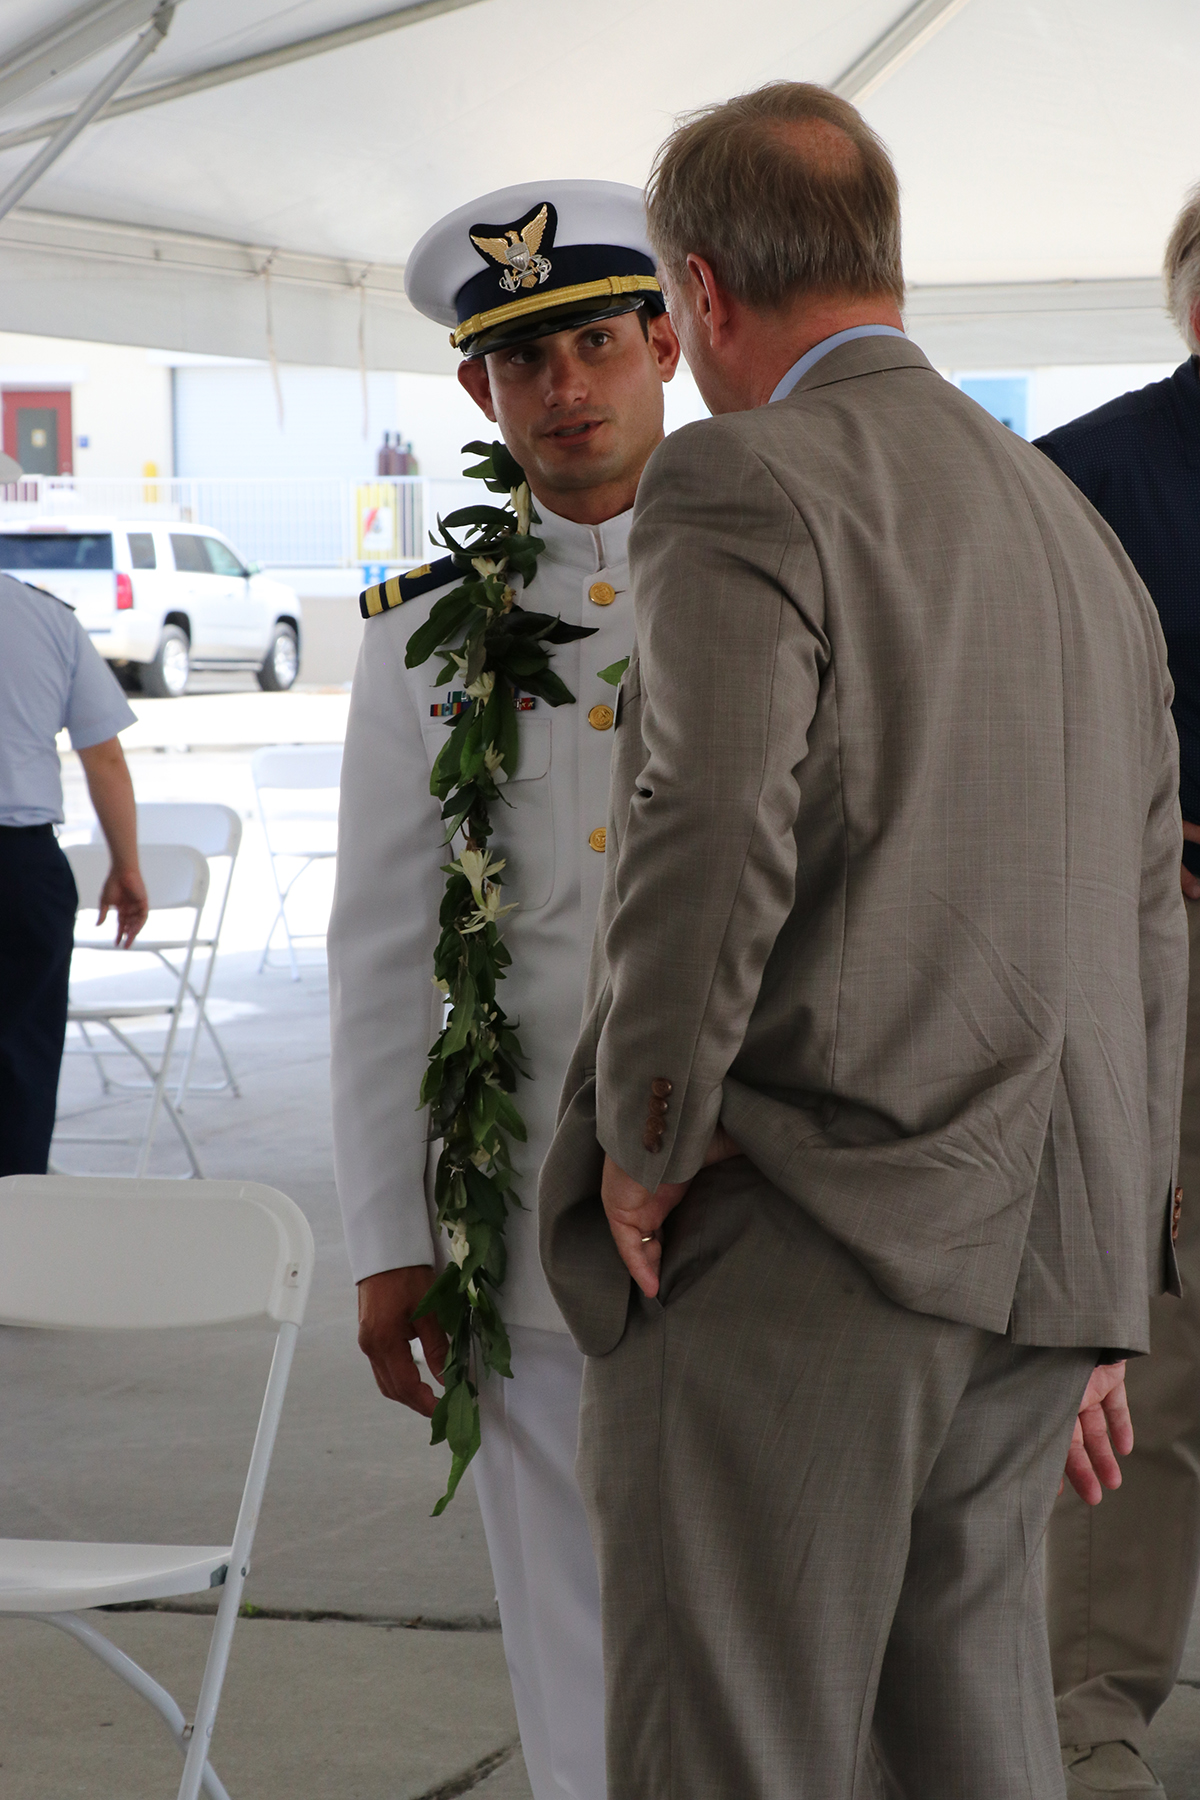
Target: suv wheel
{"points": [[167, 676], [281, 664]]}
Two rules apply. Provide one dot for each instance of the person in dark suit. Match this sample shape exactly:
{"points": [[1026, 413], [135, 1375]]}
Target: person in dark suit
{"points": [[1123, 1577]]}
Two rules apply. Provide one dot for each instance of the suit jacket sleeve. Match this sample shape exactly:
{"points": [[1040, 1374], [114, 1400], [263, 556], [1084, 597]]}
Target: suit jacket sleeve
{"points": [[730, 664], [381, 938], [1164, 952]]}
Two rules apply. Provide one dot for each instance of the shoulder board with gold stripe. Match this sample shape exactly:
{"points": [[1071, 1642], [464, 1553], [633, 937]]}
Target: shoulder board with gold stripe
{"points": [[398, 588]]}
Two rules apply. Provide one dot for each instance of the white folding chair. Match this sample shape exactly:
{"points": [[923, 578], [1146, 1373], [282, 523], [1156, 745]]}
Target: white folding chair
{"points": [[176, 879], [97, 1253], [288, 826], [216, 831]]}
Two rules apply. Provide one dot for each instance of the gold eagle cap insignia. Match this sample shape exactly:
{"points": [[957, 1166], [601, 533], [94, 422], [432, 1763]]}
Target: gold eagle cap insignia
{"points": [[516, 248]]}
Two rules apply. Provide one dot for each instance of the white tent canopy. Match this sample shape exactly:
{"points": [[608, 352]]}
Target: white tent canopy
{"points": [[268, 167]]}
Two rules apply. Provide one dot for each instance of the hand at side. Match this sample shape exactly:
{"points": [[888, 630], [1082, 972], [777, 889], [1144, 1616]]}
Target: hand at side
{"points": [[1188, 882], [1103, 1426], [635, 1213], [386, 1327], [124, 892]]}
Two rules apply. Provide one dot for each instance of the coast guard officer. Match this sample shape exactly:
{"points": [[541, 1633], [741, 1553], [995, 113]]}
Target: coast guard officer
{"points": [[51, 677], [550, 291]]}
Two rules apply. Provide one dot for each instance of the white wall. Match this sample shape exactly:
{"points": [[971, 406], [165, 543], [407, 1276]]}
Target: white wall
{"points": [[120, 398], [227, 420], [1059, 395]]}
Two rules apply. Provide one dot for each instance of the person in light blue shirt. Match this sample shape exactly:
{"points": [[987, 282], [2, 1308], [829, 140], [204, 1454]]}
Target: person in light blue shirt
{"points": [[51, 678]]}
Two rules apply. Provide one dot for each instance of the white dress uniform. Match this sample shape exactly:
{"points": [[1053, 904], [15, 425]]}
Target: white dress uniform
{"points": [[386, 1013]]}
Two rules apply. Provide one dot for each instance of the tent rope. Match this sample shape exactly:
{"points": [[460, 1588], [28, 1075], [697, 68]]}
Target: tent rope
{"points": [[265, 272], [361, 285]]}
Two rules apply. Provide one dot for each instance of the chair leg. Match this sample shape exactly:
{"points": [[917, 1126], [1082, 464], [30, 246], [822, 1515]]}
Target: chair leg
{"points": [[282, 893], [160, 1097], [287, 930], [239, 1561], [200, 1000], [106, 1083], [262, 961], [281, 917], [163, 1703], [230, 1078]]}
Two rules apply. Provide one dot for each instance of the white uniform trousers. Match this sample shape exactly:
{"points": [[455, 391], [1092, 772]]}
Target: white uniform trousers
{"points": [[543, 1563]]}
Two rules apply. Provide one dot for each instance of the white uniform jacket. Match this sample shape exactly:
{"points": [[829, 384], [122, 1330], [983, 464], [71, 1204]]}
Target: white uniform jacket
{"points": [[385, 1010]]}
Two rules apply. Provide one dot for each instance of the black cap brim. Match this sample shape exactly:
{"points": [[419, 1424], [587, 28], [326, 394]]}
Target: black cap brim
{"points": [[559, 318]]}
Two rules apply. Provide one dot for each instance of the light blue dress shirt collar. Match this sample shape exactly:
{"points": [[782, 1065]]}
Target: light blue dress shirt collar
{"points": [[814, 355]]}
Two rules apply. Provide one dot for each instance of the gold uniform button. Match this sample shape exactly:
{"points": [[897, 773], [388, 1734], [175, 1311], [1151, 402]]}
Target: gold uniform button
{"points": [[598, 838], [600, 718], [601, 594]]}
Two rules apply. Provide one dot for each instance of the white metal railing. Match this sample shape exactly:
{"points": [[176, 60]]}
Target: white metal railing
{"points": [[277, 521]]}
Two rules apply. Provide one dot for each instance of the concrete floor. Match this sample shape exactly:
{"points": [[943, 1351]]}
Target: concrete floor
{"points": [[373, 1669], [327, 1711]]}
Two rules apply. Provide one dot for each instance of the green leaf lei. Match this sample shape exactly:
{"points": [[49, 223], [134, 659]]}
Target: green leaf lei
{"points": [[494, 647]]}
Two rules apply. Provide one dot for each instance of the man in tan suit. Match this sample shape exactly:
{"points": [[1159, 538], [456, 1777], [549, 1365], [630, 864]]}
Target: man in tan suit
{"points": [[892, 909]]}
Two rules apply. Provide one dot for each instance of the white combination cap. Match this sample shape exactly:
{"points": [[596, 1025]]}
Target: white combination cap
{"points": [[532, 259]]}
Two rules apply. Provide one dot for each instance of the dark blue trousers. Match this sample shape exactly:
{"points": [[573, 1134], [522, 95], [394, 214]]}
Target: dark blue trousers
{"points": [[37, 924]]}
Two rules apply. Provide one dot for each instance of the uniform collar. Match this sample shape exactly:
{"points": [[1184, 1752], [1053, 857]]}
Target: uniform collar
{"points": [[588, 548]]}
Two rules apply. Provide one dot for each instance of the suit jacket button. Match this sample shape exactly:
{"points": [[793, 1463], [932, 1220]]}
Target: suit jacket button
{"points": [[600, 718], [601, 594], [598, 838], [652, 1137], [660, 1087], [658, 1105]]}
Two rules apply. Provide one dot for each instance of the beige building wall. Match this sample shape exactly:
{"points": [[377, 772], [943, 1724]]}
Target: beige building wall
{"points": [[120, 398]]}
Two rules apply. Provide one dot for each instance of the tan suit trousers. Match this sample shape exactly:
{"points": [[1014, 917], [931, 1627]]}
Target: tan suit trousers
{"points": [[1122, 1576], [819, 1520]]}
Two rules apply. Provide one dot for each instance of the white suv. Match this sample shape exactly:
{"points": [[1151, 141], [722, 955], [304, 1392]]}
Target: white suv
{"points": [[159, 600]]}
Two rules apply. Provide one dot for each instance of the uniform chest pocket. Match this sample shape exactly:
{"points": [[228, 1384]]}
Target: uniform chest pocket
{"points": [[522, 830]]}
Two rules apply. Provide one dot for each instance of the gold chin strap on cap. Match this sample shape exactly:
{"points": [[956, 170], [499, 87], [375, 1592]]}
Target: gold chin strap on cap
{"points": [[567, 296]]}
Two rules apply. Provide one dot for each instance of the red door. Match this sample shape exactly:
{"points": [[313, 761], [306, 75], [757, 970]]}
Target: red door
{"points": [[37, 430]]}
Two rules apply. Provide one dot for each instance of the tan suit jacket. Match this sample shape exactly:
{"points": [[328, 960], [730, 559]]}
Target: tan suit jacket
{"points": [[893, 864]]}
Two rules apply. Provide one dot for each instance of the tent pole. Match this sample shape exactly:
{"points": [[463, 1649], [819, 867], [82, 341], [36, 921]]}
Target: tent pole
{"points": [[103, 22], [911, 32], [398, 18], [147, 41]]}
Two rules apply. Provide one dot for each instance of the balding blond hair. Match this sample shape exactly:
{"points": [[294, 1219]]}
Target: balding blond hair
{"points": [[1181, 270], [784, 192]]}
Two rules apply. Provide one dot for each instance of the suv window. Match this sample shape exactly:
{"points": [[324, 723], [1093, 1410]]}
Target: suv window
{"points": [[189, 553], [141, 550], [56, 550], [222, 560]]}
